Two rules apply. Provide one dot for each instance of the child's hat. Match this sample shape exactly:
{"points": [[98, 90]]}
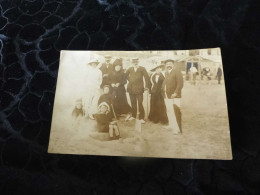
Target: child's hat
{"points": [[103, 104]]}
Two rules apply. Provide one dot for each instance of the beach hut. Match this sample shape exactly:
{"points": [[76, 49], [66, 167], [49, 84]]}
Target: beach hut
{"points": [[199, 63]]}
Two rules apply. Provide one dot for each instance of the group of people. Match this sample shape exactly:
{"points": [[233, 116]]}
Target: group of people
{"points": [[105, 98], [205, 73]]}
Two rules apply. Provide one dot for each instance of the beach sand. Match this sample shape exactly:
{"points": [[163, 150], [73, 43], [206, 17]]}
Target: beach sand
{"points": [[205, 132]]}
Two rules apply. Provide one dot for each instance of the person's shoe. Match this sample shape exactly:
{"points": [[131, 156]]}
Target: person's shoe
{"points": [[127, 117], [91, 117], [142, 121], [111, 138], [131, 118], [166, 127]]}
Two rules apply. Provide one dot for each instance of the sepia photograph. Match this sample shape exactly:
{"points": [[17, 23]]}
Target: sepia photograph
{"points": [[163, 104]]}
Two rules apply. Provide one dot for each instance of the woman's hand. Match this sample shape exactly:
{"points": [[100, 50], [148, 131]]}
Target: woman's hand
{"points": [[173, 95]]}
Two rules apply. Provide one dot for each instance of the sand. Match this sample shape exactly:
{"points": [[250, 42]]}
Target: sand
{"points": [[205, 132]]}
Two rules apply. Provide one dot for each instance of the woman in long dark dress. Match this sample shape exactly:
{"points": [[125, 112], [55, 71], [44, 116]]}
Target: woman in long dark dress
{"points": [[117, 80], [157, 109]]}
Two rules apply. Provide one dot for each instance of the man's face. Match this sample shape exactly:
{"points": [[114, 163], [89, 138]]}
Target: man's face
{"points": [[169, 65], [108, 60], [135, 63]]}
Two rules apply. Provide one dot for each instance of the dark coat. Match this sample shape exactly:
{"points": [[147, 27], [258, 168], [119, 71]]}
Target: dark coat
{"points": [[106, 71], [103, 121], [173, 83], [118, 77], [120, 103], [219, 72], [136, 83], [108, 98]]}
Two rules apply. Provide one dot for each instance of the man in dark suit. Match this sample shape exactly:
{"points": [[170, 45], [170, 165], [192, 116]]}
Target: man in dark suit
{"points": [[106, 69], [135, 88], [171, 88]]}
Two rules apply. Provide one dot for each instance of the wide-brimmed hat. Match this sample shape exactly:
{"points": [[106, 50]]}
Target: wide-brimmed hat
{"points": [[160, 66], [169, 60], [118, 62], [93, 59]]}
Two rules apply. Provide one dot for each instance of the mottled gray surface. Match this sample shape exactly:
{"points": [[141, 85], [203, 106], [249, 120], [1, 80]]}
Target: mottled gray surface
{"points": [[33, 32]]}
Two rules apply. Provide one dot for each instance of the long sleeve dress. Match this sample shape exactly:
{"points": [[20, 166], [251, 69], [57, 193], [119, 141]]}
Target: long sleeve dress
{"points": [[158, 109], [120, 103], [91, 90]]}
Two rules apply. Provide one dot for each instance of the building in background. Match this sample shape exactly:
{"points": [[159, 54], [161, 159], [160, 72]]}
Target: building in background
{"points": [[201, 58], [185, 59]]}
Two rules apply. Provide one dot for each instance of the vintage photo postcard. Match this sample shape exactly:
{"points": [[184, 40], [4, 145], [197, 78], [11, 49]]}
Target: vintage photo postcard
{"points": [[166, 104]]}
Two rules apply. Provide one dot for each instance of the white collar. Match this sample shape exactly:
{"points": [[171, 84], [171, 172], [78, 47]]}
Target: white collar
{"points": [[135, 69]]}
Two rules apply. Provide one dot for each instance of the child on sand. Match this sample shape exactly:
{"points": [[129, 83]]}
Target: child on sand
{"points": [[106, 96], [77, 112], [105, 122]]}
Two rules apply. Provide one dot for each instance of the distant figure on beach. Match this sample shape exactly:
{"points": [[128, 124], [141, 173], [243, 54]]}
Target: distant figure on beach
{"points": [[219, 74], [206, 73], [193, 73]]}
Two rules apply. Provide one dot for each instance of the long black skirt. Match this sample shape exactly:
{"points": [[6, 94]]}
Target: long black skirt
{"points": [[120, 103], [158, 109]]}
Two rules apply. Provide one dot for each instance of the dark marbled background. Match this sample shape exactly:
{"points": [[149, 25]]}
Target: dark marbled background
{"points": [[33, 32]]}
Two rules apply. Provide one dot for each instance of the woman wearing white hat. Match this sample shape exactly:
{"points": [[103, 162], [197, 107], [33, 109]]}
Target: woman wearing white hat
{"points": [[92, 82]]}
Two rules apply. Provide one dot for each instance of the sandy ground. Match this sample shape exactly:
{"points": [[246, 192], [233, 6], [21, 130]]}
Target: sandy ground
{"points": [[205, 131]]}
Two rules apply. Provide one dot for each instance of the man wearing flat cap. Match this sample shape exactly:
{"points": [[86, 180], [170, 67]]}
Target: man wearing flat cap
{"points": [[171, 88], [136, 76], [106, 69]]}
